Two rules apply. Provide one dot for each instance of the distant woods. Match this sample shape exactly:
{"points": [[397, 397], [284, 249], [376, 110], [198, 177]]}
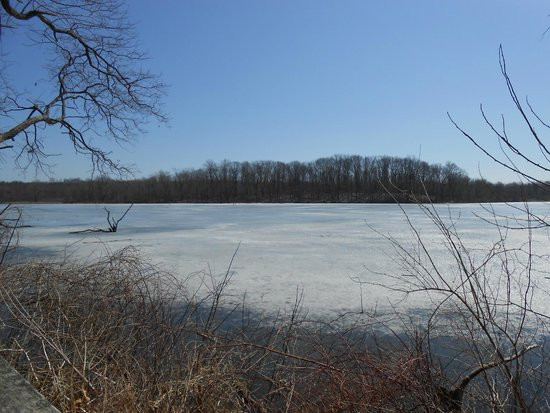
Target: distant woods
{"points": [[335, 179]]}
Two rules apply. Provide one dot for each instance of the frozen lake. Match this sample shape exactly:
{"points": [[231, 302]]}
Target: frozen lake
{"points": [[320, 249]]}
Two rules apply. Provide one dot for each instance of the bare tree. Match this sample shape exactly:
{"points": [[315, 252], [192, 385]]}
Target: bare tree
{"points": [[515, 155], [97, 85], [10, 218], [508, 324], [483, 318]]}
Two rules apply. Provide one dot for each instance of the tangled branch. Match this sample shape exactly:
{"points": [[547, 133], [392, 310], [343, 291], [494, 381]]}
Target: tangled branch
{"points": [[98, 85]]}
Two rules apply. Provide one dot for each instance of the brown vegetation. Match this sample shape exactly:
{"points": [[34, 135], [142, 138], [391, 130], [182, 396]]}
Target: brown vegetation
{"points": [[119, 335]]}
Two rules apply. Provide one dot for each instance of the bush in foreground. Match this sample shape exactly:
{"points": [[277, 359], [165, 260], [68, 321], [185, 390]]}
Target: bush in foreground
{"points": [[120, 335]]}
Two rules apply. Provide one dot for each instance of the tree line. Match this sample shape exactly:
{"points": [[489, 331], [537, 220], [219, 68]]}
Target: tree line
{"points": [[339, 178]]}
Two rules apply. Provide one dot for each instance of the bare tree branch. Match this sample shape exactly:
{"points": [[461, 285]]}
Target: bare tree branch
{"points": [[113, 223], [99, 88]]}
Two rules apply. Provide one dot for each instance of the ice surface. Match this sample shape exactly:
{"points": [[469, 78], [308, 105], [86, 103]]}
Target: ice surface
{"points": [[320, 249]]}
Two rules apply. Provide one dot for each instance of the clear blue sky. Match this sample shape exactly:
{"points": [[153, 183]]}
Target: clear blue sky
{"points": [[297, 80]]}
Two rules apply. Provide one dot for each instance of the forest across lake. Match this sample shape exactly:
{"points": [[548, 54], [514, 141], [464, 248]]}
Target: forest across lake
{"points": [[340, 178]]}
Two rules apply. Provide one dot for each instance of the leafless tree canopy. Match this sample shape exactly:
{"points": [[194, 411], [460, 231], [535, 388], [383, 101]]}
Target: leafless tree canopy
{"points": [[515, 155], [99, 87]]}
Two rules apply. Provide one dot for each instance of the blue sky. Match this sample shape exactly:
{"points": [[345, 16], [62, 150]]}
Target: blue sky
{"points": [[297, 80]]}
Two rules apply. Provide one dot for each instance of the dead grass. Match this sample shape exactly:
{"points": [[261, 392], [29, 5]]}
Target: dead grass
{"points": [[111, 336], [119, 335]]}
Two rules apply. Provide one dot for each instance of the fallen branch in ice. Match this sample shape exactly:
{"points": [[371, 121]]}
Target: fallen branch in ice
{"points": [[113, 223]]}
